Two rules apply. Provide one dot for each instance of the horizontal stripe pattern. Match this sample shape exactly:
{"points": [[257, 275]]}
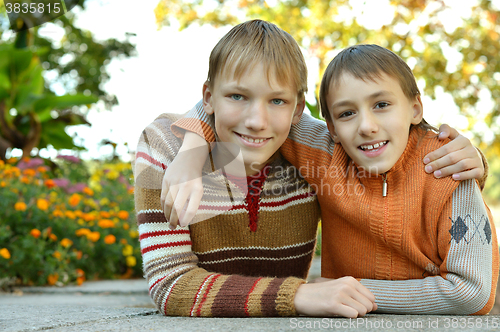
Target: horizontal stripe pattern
{"points": [[189, 272]]}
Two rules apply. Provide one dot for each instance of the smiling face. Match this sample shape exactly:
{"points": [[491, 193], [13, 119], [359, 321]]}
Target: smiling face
{"points": [[371, 119], [254, 112]]}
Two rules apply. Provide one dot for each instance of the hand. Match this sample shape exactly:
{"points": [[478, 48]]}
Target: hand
{"points": [[459, 157], [182, 187], [345, 297]]}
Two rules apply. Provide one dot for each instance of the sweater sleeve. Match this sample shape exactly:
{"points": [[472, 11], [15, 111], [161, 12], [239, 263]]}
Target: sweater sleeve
{"points": [[177, 286], [465, 281]]}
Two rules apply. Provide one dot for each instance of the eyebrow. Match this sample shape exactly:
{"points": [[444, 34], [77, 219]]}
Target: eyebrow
{"points": [[374, 95], [245, 90]]}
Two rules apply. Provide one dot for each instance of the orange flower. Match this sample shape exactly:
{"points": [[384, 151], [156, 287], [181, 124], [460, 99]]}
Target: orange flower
{"points": [[88, 217], [123, 241], [74, 199], [35, 233], [79, 254], [3, 184], [80, 280], [20, 206], [41, 169], [123, 215], [49, 183], [25, 180], [80, 274], [29, 172], [105, 214], [93, 236], [70, 214], [106, 223], [109, 239], [53, 237], [4, 252], [42, 204], [12, 160], [66, 242], [126, 226], [58, 213], [57, 255], [52, 279], [78, 213], [88, 191], [130, 190], [82, 232]]}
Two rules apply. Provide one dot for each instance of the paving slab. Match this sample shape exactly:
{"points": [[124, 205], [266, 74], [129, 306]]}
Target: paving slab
{"points": [[124, 305]]}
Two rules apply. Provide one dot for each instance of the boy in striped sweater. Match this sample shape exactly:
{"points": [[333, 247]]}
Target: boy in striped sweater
{"points": [[421, 245], [254, 247]]}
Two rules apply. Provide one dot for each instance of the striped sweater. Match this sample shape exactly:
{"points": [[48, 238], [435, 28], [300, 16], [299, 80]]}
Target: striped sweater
{"points": [[428, 247], [247, 253]]}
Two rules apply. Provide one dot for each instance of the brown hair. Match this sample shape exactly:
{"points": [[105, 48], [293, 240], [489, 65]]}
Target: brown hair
{"points": [[255, 42], [368, 61]]}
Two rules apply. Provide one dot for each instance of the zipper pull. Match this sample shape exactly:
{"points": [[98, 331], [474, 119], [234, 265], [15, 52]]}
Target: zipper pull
{"points": [[384, 185]]}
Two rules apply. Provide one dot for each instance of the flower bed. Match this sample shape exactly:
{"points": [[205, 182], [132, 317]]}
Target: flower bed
{"points": [[66, 223]]}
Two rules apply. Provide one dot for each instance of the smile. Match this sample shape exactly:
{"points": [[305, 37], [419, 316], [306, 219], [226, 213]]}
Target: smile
{"points": [[373, 147], [253, 140]]}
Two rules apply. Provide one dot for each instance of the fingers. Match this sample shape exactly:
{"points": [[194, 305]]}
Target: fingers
{"points": [[178, 207], [192, 207], [459, 157], [446, 131], [457, 144]]}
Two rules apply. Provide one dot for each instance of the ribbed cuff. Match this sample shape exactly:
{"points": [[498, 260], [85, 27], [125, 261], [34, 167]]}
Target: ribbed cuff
{"points": [[285, 300], [196, 126]]}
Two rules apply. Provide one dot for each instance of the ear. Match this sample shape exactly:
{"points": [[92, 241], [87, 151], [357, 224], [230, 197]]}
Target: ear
{"points": [[418, 111], [207, 99], [331, 129], [299, 109]]}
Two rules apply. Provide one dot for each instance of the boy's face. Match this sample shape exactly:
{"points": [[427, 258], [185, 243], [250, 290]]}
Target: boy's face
{"points": [[253, 112], [371, 119]]}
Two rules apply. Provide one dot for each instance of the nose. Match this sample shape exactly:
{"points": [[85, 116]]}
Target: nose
{"points": [[257, 117], [368, 124]]}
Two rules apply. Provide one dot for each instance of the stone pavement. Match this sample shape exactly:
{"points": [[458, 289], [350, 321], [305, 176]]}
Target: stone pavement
{"points": [[124, 305]]}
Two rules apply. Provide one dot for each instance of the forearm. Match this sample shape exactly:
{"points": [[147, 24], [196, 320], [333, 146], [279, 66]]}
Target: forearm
{"points": [[467, 277]]}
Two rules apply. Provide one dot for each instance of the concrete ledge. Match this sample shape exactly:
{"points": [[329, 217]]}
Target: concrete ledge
{"points": [[67, 318]]}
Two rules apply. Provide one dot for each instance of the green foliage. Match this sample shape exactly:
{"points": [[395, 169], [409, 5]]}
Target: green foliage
{"points": [[54, 230], [416, 33], [30, 115]]}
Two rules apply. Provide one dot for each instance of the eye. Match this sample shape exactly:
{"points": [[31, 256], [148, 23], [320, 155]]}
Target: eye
{"points": [[236, 97], [381, 104], [346, 114], [278, 102]]}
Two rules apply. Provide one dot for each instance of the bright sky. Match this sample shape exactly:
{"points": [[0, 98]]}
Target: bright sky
{"points": [[171, 66]]}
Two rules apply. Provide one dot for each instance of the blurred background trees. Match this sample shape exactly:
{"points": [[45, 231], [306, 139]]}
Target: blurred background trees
{"points": [[455, 55], [47, 84]]}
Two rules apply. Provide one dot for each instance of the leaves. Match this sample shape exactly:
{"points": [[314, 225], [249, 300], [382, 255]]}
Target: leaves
{"points": [[417, 33]]}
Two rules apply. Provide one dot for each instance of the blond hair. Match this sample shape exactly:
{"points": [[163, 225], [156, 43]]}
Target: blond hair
{"points": [[368, 61], [257, 41]]}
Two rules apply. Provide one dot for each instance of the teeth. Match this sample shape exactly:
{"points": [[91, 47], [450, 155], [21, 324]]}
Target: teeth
{"points": [[251, 140], [374, 146]]}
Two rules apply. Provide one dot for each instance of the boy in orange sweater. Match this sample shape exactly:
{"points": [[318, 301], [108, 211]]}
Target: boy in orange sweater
{"points": [[379, 207], [421, 245]]}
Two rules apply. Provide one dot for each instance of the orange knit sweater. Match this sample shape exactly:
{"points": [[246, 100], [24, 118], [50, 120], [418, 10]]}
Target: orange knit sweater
{"points": [[428, 247]]}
